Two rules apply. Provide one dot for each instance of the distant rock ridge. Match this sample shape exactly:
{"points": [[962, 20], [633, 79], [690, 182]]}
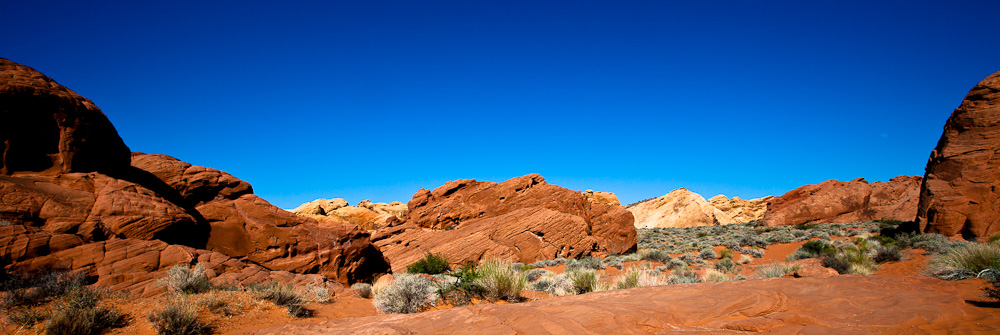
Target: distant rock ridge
{"points": [[366, 214], [75, 198], [960, 195], [835, 201], [683, 208]]}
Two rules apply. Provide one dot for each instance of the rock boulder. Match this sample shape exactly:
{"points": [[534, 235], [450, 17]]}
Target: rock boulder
{"points": [[523, 219], [677, 209], [960, 195]]}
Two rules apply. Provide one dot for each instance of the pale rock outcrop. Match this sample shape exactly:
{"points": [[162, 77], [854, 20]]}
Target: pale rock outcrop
{"points": [[741, 210], [677, 209], [367, 215], [602, 197]]}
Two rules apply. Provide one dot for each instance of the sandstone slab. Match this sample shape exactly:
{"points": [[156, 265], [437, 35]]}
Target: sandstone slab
{"points": [[835, 201]]}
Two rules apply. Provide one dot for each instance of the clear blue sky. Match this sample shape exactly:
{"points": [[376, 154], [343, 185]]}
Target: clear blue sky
{"points": [[374, 100]]}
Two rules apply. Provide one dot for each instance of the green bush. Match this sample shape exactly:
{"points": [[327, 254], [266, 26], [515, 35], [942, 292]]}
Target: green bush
{"points": [[431, 264], [500, 281], [585, 263], [850, 261], [182, 278], [726, 265], [583, 280], [629, 279], [726, 253], [408, 293], [886, 253], [661, 256], [709, 254], [965, 261], [178, 318]]}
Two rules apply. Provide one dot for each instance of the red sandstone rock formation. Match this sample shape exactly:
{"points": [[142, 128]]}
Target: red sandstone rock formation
{"points": [[46, 128], [961, 190], [838, 202], [523, 219], [64, 187]]}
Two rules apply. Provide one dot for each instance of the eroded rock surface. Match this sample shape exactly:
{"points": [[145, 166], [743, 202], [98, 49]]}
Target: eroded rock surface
{"points": [[961, 190], [523, 219], [835, 201]]}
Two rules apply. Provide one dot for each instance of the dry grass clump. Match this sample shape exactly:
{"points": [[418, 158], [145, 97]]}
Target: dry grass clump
{"points": [[283, 295], [499, 280], [965, 261], [75, 309], [183, 278], [178, 318], [774, 269], [583, 280], [364, 290], [407, 293]]}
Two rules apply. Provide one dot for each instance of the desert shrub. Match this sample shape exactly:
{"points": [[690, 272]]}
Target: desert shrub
{"points": [[995, 239], [931, 243], [629, 279], [755, 252], [500, 281], [850, 261], [661, 256], [283, 295], [583, 280], [364, 290], [677, 264], [431, 264], [992, 278], [886, 253], [558, 285], [726, 265], [462, 285], [744, 259], [709, 254], [725, 253], [78, 312], [690, 258], [772, 270], [178, 318], [318, 291], [684, 277], [752, 241], [711, 275], [617, 264], [408, 293], [182, 278], [585, 263], [535, 274], [965, 261], [37, 290]]}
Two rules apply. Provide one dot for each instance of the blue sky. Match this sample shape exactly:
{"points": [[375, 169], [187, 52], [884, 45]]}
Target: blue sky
{"points": [[374, 99]]}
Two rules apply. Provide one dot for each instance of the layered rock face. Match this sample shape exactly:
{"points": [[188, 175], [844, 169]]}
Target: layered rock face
{"points": [[46, 128], [741, 210], [677, 209], [76, 198], [367, 215], [835, 201], [523, 219], [602, 197], [961, 190]]}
